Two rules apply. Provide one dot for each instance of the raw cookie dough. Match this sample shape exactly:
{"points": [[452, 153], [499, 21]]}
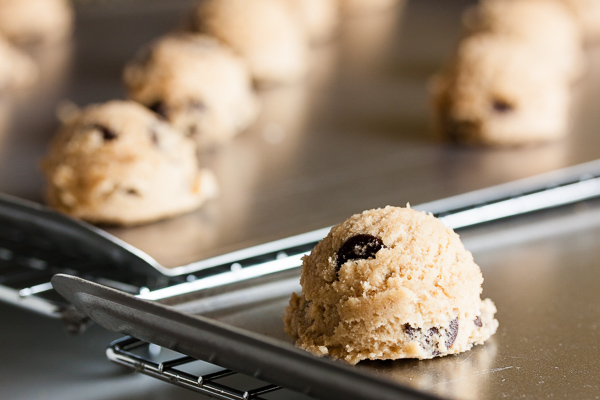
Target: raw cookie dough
{"points": [[195, 83], [546, 25], [117, 163], [319, 17], [496, 92], [587, 14], [264, 32], [35, 21], [17, 69], [386, 284]]}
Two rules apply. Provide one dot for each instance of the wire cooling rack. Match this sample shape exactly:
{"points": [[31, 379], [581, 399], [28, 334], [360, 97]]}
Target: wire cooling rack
{"points": [[177, 369]]}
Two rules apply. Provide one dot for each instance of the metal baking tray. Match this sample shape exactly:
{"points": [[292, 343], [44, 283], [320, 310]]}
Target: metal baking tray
{"points": [[541, 270]]}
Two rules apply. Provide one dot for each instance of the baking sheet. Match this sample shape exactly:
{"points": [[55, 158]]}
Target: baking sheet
{"points": [[542, 271]]}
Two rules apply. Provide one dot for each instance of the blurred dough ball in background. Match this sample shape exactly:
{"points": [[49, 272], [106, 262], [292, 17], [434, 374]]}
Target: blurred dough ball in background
{"points": [[264, 32], [117, 163], [195, 83], [547, 25], [320, 18], [587, 14], [35, 21], [497, 91], [17, 69]]}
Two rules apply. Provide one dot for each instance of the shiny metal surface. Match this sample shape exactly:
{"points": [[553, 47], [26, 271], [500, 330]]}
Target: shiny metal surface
{"points": [[355, 135], [542, 272]]}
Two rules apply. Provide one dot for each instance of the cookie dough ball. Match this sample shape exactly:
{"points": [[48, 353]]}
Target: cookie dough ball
{"points": [[496, 92], [35, 21], [264, 32], [17, 69], [319, 17], [195, 83], [547, 25], [117, 163], [587, 14], [386, 284]]}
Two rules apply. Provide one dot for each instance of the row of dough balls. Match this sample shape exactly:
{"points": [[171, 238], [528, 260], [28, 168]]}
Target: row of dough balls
{"points": [[136, 161], [27, 22], [509, 81], [202, 80]]}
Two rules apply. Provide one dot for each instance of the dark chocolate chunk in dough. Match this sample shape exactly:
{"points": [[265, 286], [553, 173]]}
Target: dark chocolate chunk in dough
{"points": [[359, 247], [410, 331], [159, 108], [502, 106], [107, 133], [452, 332], [477, 322]]}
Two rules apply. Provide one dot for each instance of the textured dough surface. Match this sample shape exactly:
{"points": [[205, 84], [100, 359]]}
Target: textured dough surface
{"points": [[118, 163], [547, 26], [198, 85], [587, 14], [497, 92], [35, 21], [320, 18], [264, 32], [416, 294]]}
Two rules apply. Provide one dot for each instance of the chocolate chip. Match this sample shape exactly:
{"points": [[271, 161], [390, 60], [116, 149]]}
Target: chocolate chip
{"points": [[452, 332], [433, 331], [477, 322], [359, 247], [410, 331], [132, 192], [432, 338], [159, 108], [502, 106], [107, 133]]}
